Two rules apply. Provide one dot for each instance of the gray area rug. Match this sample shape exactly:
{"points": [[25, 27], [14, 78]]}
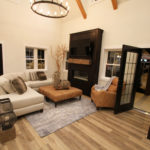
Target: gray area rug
{"points": [[64, 114]]}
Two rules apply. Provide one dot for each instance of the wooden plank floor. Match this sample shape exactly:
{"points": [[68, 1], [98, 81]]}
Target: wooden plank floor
{"points": [[99, 131]]}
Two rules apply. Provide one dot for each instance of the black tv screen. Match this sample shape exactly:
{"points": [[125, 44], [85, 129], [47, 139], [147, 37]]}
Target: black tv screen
{"points": [[81, 49]]}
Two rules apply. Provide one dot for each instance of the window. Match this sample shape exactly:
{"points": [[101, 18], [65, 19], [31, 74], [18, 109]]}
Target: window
{"points": [[29, 58], [35, 58], [41, 59], [113, 63]]}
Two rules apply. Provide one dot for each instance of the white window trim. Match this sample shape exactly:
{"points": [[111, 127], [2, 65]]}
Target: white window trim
{"points": [[105, 61], [36, 58]]}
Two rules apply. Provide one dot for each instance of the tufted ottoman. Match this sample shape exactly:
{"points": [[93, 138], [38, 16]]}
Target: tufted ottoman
{"points": [[60, 95]]}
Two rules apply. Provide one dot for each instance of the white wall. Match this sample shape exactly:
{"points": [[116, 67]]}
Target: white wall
{"points": [[129, 24], [20, 27]]}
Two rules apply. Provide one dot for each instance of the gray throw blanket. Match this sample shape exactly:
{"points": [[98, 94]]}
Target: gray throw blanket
{"points": [[99, 88]]}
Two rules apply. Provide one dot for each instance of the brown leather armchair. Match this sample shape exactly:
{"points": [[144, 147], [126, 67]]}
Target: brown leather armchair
{"points": [[105, 98]]}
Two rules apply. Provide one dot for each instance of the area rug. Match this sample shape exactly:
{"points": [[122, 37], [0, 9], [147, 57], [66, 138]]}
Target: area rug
{"points": [[64, 114]]}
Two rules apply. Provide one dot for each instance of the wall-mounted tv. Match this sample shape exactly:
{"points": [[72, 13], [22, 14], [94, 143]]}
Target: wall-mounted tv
{"points": [[81, 49]]}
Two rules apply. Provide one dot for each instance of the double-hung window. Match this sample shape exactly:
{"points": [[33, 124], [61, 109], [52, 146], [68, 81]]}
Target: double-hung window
{"points": [[35, 58], [113, 62]]}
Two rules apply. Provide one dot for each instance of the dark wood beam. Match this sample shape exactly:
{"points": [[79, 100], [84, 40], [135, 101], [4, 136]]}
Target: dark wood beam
{"points": [[80, 5], [115, 4]]}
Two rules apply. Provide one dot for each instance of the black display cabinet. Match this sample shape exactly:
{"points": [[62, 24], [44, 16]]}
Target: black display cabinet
{"points": [[84, 59]]}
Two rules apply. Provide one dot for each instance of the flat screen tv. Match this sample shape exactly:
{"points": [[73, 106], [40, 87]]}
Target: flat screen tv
{"points": [[81, 49]]}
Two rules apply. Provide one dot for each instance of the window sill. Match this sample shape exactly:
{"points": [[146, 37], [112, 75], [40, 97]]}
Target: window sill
{"points": [[37, 70], [104, 78]]}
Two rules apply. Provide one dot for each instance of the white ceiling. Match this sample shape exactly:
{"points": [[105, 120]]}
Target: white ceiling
{"points": [[15, 1], [74, 9]]}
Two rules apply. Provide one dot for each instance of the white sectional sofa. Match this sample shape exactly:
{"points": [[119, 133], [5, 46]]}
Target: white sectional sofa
{"points": [[31, 100]]}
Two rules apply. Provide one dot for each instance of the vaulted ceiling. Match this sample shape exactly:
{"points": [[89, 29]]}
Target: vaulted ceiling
{"points": [[78, 7], [81, 5]]}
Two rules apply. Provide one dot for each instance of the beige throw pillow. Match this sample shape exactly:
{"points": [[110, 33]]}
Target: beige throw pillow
{"points": [[33, 76], [27, 75], [19, 85]]}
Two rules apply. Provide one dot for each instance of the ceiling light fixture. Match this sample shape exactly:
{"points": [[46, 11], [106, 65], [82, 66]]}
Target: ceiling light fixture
{"points": [[50, 8]]}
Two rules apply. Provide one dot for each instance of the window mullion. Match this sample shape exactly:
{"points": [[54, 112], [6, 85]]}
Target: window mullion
{"points": [[35, 59]]}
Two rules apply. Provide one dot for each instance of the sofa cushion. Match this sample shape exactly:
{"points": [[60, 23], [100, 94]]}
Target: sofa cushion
{"points": [[37, 84], [11, 76], [29, 98], [6, 85], [19, 85], [41, 75], [23, 76], [2, 92]]}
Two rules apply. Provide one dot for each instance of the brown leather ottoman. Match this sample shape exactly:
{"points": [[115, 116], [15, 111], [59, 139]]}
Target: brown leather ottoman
{"points": [[59, 95]]}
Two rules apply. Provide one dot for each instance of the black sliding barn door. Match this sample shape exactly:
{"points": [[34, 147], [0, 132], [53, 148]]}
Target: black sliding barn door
{"points": [[1, 60], [129, 73]]}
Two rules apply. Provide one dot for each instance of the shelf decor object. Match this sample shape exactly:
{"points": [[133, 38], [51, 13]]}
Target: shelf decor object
{"points": [[7, 116], [50, 8]]}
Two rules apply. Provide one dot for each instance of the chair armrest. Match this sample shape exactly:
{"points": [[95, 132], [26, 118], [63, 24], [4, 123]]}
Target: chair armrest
{"points": [[103, 98]]}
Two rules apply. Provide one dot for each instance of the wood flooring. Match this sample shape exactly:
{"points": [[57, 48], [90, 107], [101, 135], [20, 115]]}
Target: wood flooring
{"points": [[142, 102], [99, 131]]}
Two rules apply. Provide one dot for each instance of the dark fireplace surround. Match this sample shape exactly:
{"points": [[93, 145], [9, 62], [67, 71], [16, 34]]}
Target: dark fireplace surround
{"points": [[84, 59]]}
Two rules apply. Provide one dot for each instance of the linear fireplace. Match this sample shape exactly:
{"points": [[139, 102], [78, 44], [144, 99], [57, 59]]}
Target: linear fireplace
{"points": [[80, 75], [84, 59]]}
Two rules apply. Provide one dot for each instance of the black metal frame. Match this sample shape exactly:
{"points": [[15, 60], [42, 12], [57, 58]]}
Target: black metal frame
{"points": [[120, 108], [55, 103], [49, 2]]}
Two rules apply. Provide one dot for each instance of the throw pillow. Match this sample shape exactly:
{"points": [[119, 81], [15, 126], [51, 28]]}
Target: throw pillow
{"points": [[19, 85], [27, 75], [6, 85], [41, 75], [33, 76], [2, 92]]}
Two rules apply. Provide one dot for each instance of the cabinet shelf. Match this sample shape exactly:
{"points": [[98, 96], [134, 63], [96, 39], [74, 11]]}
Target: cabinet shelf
{"points": [[80, 61]]}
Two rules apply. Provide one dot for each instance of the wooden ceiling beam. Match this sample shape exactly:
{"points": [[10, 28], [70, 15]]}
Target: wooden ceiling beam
{"points": [[80, 5], [115, 4]]}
